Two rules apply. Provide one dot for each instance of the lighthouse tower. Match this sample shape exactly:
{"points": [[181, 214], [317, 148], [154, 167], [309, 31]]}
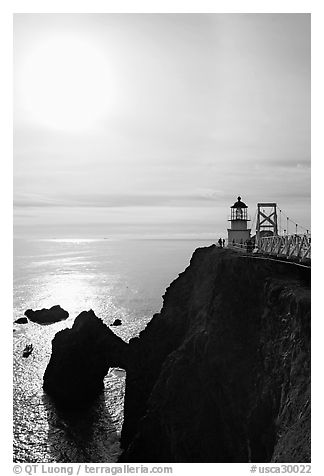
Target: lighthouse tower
{"points": [[239, 233]]}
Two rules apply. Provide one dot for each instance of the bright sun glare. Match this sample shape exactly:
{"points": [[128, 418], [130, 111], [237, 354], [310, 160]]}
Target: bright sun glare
{"points": [[66, 83]]}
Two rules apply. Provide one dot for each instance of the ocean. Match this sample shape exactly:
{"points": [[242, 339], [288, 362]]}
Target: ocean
{"points": [[117, 278]]}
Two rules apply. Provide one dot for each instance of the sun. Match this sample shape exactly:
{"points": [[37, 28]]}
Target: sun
{"points": [[65, 83]]}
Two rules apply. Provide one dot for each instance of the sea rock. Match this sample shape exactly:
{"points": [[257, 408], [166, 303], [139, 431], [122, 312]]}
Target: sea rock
{"points": [[21, 320], [28, 350], [222, 373], [47, 316], [81, 357], [117, 322]]}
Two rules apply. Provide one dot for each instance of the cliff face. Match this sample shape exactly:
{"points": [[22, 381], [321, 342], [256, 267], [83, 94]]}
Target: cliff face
{"points": [[222, 374]]}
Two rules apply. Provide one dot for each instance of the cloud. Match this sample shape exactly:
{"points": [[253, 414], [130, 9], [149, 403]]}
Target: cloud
{"points": [[201, 198], [206, 108]]}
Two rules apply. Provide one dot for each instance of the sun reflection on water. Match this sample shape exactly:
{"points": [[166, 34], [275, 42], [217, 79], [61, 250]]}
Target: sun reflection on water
{"points": [[41, 434], [123, 280]]}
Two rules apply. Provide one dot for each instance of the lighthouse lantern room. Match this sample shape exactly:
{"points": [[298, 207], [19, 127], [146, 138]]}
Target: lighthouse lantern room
{"points": [[239, 233]]}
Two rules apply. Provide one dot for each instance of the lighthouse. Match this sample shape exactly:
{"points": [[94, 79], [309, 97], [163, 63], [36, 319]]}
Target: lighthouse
{"points": [[239, 233]]}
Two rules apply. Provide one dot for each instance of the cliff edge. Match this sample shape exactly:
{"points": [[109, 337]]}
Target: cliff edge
{"points": [[222, 373]]}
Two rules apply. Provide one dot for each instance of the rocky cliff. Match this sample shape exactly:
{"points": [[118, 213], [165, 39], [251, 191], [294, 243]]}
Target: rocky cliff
{"points": [[222, 373], [81, 357]]}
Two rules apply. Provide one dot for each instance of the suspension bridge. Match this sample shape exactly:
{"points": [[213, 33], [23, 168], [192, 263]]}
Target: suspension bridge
{"points": [[277, 236]]}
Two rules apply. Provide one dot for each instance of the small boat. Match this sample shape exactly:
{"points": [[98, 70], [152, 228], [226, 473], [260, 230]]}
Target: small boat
{"points": [[28, 350]]}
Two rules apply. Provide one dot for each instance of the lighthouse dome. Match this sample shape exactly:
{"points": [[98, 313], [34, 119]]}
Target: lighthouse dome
{"points": [[239, 204]]}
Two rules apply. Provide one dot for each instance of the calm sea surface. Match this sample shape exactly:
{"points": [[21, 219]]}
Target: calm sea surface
{"points": [[122, 279]]}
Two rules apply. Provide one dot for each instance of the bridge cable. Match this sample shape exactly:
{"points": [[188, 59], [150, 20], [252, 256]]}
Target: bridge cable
{"points": [[292, 221]]}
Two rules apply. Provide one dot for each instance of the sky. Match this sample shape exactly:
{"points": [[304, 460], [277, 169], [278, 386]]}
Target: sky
{"points": [[153, 124]]}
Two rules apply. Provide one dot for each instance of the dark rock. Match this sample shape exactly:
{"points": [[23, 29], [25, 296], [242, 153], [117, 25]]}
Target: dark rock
{"points": [[81, 357], [28, 350], [21, 320], [222, 374], [117, 322], [47, 316]]}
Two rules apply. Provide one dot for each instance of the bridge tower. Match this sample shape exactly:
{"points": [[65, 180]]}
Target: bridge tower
{"points": [[267, 221], [239, 233]]}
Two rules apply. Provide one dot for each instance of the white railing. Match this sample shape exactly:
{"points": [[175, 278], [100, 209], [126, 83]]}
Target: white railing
{"points": [[288, 246]]}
